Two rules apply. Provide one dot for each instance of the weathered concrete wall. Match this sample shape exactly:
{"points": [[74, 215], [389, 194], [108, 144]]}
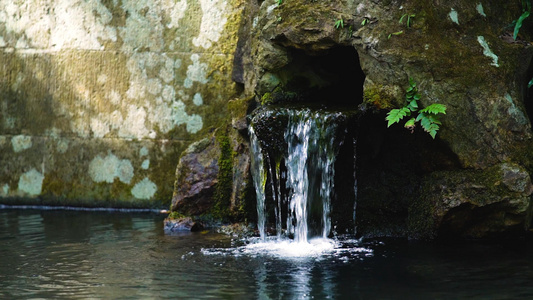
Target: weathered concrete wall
{"points": [[99, 98]]}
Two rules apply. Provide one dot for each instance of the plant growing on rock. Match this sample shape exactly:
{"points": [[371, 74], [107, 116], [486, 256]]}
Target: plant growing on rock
{"points": [[339, 23], [408, 22], [526, 11], [409, 17], [428, 117]]}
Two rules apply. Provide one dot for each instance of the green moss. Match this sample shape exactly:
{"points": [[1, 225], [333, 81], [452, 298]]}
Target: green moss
{"points": [[175, 215], [378, 98], [238, 108], [266, 99], [222, 196]]}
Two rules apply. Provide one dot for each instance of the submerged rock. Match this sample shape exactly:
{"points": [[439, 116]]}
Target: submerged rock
{"points": [[182, 225]]}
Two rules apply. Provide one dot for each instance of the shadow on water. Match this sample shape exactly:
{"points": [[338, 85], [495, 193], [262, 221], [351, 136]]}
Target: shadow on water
{"points": [[69, 254]]}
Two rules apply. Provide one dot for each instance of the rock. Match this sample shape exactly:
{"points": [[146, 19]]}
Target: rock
{"points": [[473, 180], [182, 225], [196, 178], [472, 203], [240, 230]]}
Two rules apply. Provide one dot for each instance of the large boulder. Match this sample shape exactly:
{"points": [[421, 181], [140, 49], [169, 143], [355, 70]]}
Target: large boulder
{"points": [[472, 203], [196, 178]]}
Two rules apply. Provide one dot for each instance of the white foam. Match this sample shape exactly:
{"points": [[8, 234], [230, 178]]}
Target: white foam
{"points": [[289, 249]]}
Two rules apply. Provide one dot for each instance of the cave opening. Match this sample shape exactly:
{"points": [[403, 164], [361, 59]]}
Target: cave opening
{"points": [[332, 77]]}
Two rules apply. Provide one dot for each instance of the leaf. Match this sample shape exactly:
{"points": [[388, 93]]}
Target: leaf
{"points": [[413, 106], [519, 22], [425, 122], [432, 130], [364, 22], [435, 108], [433, 127], [434, 119], [395, 115], [395, 33], [530, 83], [339, 23], [410, 124], [401, 19]]}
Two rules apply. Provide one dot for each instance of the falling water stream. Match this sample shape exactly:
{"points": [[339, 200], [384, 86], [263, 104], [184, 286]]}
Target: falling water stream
{"points": [[301, 181]]}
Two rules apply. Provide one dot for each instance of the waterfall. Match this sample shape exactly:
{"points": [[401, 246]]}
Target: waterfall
{"points": [[259, 179], [301, 176]]}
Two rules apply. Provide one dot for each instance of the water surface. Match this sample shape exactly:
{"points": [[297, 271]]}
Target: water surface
{"points": [[74, 254]]}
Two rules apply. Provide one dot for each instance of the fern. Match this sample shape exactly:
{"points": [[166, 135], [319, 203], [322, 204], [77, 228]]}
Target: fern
{"points": [[428, 117], [435, 109], [396, 115]]}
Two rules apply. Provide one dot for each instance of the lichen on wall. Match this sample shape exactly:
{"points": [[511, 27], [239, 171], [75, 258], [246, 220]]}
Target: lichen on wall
{"points": [[31, 183], [102, 96]]}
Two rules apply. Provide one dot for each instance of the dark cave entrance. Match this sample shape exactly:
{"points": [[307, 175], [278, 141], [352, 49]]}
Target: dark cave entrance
{"points": [[332, 77]]}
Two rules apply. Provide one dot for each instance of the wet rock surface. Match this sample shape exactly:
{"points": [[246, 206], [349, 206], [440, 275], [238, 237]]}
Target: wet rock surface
{"points": [[196, 178], [182, 225]]}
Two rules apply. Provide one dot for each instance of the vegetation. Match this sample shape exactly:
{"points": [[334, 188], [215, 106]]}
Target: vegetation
{"points": [[222, 196], [526, 11], [428, 117], [394, 33], [409, 17], [408, 20], [339, 23]]}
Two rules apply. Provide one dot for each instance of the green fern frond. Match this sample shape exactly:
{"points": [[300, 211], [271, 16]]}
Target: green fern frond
{"points": [[396, 115], [435, 108]]}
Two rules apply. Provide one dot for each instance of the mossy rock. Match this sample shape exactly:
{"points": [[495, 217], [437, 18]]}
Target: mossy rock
{"points": [[473, 203]]}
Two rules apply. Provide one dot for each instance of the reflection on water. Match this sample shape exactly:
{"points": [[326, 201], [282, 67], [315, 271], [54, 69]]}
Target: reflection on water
{"points": [[68, 254]]}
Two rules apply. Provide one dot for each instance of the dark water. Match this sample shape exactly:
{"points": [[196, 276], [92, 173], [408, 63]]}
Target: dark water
{"points": [[98, 255]]}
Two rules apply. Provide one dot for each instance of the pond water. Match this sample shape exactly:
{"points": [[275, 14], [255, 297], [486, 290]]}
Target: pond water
{"points": [[113, 255]]}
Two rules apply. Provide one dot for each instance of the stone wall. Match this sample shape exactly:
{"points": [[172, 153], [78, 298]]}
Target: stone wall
{"points": [[99, 98]]}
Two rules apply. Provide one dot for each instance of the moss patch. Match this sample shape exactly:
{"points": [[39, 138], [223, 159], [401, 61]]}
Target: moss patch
{"points": [[222, 196]]}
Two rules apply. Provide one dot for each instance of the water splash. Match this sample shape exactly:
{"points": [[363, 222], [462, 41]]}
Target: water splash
{"points": [[315, 248]]}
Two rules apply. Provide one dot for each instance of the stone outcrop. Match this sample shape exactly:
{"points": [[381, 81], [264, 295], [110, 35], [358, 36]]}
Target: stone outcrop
{"points": [[196, 178], [473, 203], [473, 180]]}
